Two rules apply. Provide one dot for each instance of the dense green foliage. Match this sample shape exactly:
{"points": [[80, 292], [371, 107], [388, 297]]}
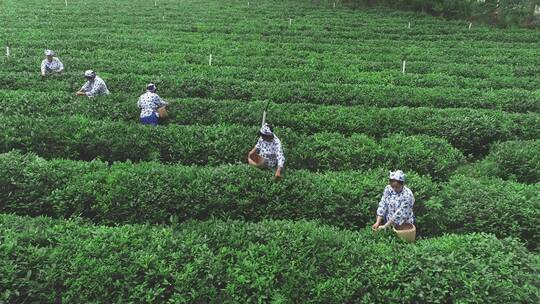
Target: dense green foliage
{"points": [[398, 90], [485, 204], [185, 221], [151, 192], [471, 131], [46, 260], [326, 55], [512, 160], [519, 160], [84, 139], [155, 193]]}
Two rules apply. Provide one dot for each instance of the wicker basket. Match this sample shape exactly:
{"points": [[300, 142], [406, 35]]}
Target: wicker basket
{"points": [[406, 232], [256, 160], [162, 112]]}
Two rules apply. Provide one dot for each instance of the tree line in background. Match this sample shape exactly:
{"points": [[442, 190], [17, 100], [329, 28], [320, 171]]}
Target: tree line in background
{"points": [[502, 13]]}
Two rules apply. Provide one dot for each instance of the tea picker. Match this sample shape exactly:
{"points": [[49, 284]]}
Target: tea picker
{"points": [[51, 64], [152, 106], [396, 208], [93, 86], [268, 152]]}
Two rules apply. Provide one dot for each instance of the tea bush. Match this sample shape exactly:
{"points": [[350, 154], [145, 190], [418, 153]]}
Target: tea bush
{"points": [[44, 260]]}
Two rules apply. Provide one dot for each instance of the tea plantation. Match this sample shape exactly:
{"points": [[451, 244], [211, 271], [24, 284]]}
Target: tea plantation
{"points": [[97, 208]]}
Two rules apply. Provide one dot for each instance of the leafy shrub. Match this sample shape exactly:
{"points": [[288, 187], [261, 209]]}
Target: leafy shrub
{"points": [[84, 139], [471, 131], [151, 192], [485, 204], [513, 160], [519, 160], [46, 261], [416, 90], [156, 193]]}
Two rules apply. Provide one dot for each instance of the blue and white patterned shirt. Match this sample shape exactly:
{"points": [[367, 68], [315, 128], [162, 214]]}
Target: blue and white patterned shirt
{"points": [[95, 87], [149, 102], [50, 67], [397, 207], [272, 152]]}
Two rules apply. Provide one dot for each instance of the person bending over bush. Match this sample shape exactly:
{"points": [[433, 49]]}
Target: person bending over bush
{"points": [[51, 64], [152, 106], [268, 152], [93, 86], [396, 205]]}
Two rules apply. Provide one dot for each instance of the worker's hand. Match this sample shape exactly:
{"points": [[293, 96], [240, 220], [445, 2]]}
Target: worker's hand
{"points": [[278, 174], [375, 227], [79, 93], [383, 227]]}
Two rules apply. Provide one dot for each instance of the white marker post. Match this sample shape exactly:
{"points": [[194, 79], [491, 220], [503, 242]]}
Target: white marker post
{"points": [[290, 21], [248, 3], [155, 2], [163, 17], [210, 60], [334, 4], [263, 119], [264, 113], [470, 24], [403, 68], [65, 2], [409, 25], [7, 50]]}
